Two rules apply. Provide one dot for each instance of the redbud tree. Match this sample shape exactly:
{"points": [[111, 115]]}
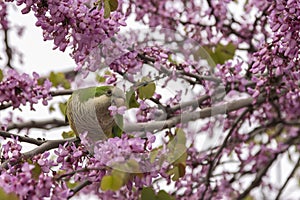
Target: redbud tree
{"points": [[212, 95]]}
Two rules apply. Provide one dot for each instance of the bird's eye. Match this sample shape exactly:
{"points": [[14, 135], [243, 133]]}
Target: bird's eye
{"points": [[109, 92]]}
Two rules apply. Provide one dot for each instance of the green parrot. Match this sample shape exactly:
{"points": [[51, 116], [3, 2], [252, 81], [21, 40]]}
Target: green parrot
{"points": [[87, 111]]}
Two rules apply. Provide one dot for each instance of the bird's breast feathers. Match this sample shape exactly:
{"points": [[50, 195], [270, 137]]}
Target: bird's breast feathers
{"points": [[92, 116]]}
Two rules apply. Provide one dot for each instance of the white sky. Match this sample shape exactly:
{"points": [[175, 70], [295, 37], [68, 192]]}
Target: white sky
{"points": [[38, 54]]}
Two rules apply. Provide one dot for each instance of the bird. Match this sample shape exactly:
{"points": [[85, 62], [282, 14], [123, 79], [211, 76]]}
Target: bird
{"points": [[87, 112]]}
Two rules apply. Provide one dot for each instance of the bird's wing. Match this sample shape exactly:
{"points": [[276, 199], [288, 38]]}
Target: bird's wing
{"points": [[67, 115], [117, 129]]}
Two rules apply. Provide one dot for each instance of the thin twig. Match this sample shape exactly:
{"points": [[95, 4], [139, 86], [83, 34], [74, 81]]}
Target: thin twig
{"points": [[258, 177], [4, 106], [61, 92], [79, 170], [7, 49], [264, 170], [5, 134], [216, 158], [45, 146], [195, 103], [79, 187], [45, 124]]}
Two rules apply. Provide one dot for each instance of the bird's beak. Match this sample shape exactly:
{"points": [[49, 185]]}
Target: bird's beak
{"points": [[118, 102], [118, 97]]}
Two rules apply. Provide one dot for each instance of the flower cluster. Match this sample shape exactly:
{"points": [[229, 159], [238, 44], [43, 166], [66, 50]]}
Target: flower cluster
{"points": [[281, 55], [29, 179], [127, 64], [11, 150], [21, 88], [115, 151], [74, 24], [275, 65], [128, 156], [114, 110], [145, 112], [3, 16], [232, 75], [207, 22]]}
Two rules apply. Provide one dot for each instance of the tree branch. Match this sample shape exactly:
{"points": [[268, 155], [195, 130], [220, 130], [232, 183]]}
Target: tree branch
{"points": [[61, 93], [264, 170], [194, 103], [7, 49], [187, 117], [4, 106], [45, 146], [5, 134], [148, 59], [79, 170], [46, 124], [216, 159], [201, 77], [79, 187], [258, 177]]}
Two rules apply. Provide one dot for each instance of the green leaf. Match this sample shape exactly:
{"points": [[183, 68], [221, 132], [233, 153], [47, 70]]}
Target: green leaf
{"points": [[59, 79], [148, 194], [71, 185], [177, 154], [36, 171], [62, 107], [41, 81], [248, 197], [177, 172], [163, 195], [113, 5], [146, 91], [172, 172], [181, 169], [204, 54], [132, 102], [171, 60], [118, 173], [118, 128], [180, 136], [68, 134], [182, 157], [127, 166], [51, 108], [100, 79], [177, 148], [111, 182], [106, 9], [10, 196], [153, 155], [133, 166], [1, 75], [221, 53], [66, 84], [109, 6]]}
